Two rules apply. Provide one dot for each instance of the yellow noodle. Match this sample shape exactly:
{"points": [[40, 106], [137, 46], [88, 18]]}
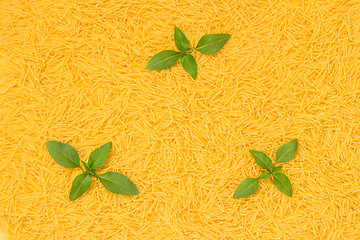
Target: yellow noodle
{"points": [[75, 71]]}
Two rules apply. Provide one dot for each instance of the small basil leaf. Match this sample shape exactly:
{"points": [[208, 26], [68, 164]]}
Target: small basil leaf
{"points": [[64, 154], [246, 188], [163, 60], [211, 43], [98, 157], [189, 64], [276, 170], [182, 43], [86, 165], [118, 183], [282, 182], [265, 175], [79, 186], [261, 159], [287, 151]]}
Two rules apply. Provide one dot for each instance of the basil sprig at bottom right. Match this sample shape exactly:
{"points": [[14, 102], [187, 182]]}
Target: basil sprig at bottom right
{"points": [[284, 154]]}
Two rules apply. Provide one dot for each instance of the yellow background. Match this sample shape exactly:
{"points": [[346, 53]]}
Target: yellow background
{"points": [[75, 71]]}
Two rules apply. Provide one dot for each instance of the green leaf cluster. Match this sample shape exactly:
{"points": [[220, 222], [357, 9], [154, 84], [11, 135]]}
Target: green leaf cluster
{"points": [[208, 44], [284, 154], [66, 156]]}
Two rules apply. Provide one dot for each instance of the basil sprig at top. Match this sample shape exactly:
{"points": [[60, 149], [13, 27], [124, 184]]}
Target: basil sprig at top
{"points": [[208, 44]]}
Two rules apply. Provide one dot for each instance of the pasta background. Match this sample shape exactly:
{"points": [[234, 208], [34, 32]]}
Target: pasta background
{"points": [[75, 71]]}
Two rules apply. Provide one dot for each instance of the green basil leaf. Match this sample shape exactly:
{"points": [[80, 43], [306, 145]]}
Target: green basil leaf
{"points": [[117, 183], [282, 182], [163, 60], [189, 64], [86, 165], [64, 154], [276, 170], [246, 188], [211, 43], [79, 186], [98, 157], [287, 151], [261, 159], [182, 43], [265, 175]]}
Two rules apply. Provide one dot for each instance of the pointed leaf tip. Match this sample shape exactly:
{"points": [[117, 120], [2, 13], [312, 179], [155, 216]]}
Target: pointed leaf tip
{"points": [[118, 183], [282, 183], [163, 60], [181, 41], [79, 186], [98, 157], [212, 43], [189, 64], [246, 188], [287, 151], [261, 159], [63, 154]]}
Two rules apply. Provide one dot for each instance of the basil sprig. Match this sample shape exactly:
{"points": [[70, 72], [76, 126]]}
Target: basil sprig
{"points": [[284, 154], [66, 156], [208, 44]]}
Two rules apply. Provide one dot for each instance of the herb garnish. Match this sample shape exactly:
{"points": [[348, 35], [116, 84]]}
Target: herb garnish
{"points": [[66, 156], [208, 44], [284, 154]]}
